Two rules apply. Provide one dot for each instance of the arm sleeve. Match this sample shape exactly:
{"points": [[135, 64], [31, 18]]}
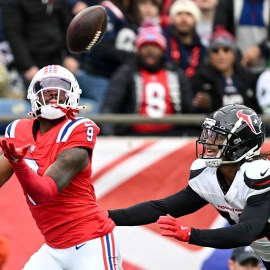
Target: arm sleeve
{"points": [[39, 189], [179, 204], [252, 224]]}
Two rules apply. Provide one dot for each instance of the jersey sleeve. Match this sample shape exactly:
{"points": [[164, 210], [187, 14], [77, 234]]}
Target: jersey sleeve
{"points": [[18, 131], [81, 133], [196, 168], [257, 176]]}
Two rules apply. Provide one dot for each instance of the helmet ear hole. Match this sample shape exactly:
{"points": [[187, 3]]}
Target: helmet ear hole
{"points": [[233, 153]]}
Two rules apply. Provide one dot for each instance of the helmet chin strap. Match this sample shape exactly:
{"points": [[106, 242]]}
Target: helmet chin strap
{"points": [[216, 162], [51, 113], [71, 113], [57, 111], [213, 162]]}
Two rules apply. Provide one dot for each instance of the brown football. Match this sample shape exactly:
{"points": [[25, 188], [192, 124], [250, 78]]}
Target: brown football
{"points": [[87, 29]]}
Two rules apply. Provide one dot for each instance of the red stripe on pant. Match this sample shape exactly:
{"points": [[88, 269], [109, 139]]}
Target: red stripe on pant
{"points": [[104, 253]]}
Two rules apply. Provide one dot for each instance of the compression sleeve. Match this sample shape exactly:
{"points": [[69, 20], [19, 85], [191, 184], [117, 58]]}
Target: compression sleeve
{"points": [[252, 225], [39, 189], [179, 204]]}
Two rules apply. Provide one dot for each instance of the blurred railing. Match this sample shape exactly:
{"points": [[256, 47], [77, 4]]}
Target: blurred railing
{"points": [[179, 119]]}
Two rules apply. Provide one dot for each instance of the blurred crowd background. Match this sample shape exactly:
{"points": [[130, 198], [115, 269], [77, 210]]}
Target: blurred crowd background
{"points": [[157, 58]]}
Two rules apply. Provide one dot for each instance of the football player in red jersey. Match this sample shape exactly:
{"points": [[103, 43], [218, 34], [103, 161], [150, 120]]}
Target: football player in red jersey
{"points": [[51, 156], [230, 174]]}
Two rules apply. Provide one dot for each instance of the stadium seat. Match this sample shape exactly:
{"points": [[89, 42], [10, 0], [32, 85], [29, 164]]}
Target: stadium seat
{"points": [[11, 109]]}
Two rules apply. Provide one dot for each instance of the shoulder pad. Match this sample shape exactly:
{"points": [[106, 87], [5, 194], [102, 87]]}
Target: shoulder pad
{"points": [[18, 128], [257, 174], [70, 126], [10, 129], [196, 168]]}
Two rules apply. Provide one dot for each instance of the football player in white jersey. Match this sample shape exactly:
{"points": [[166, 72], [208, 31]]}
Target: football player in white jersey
{"points": [[229, 173]]}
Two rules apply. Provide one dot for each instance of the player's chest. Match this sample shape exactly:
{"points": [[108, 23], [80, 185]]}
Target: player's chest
{"points": [[231, 204], [42, 153]]}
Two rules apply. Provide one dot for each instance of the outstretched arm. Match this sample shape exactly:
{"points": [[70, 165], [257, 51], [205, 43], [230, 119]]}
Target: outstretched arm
{"points": [[179, 204], [253, 224]]}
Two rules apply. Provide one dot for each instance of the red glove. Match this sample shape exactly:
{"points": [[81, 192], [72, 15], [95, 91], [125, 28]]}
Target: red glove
{"points": [[175, 227], [13, 154]]}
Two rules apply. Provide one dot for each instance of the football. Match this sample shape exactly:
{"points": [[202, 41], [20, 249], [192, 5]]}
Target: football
{"points": [[86, 29]]}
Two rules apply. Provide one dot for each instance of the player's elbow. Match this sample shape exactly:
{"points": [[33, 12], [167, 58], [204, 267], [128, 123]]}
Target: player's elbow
{"points": [[245, 241], [46, 192], [43, 198]]}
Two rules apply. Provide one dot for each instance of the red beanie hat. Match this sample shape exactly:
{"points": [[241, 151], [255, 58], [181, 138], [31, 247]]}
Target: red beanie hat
{"points": [[150, 34]]}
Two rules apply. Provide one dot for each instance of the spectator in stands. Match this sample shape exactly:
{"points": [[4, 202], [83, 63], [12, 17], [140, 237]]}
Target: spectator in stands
{"points": [[263, 91], [3, 251], [244, 258], [184, 45], [36, 31], [165, 18], [249, 22], [204, 26], [11, 83], [149, 85], [78, 5], [117, 46], [223, 80], [148, 10]]}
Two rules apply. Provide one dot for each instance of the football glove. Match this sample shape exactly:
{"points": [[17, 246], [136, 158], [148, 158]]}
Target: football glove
{"points": [[174, 228], [13, 154]]}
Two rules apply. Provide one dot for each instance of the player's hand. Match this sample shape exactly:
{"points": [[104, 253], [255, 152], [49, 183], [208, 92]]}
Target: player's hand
{"points": [[174, 228], [13, 154]]}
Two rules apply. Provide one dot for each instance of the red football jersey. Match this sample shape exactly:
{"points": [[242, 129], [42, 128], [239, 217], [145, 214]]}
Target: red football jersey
{"points": [[73, 216]]}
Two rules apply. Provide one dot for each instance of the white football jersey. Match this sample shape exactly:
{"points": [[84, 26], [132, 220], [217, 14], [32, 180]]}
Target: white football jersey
{"points": [[252, 178]]}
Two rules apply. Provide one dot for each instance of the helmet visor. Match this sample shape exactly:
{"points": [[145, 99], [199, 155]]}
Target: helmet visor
{"points": [[56, 83], [211, 143], [215, 136]]}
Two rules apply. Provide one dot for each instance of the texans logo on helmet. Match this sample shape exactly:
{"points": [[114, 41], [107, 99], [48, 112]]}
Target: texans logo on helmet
{"points": [[252, 121]]}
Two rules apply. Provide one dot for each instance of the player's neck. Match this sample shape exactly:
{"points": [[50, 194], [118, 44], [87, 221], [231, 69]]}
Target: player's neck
{"points": [[45, 125], [229, 171]]}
